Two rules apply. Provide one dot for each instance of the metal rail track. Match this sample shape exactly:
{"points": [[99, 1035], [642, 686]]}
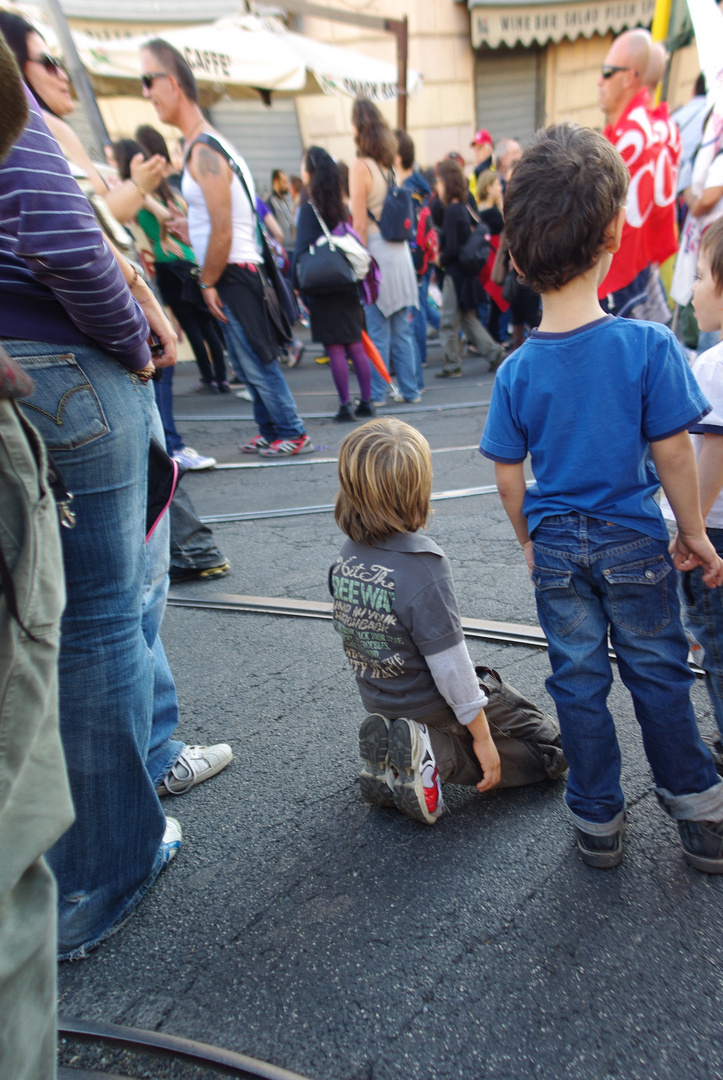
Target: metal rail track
{"points": [[299, 462], [170, 1047], [501, 633], [394, 411], [327, 508]]}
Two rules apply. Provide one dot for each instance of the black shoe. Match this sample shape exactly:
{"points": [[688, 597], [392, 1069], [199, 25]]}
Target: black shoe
{"points": [[702, 845], [604, 852], [201, 573], [345, 415], [365, 408], [449, 373]]}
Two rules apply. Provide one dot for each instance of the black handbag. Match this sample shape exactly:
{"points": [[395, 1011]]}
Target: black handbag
{"points": [[475, 251], [279, 300]]}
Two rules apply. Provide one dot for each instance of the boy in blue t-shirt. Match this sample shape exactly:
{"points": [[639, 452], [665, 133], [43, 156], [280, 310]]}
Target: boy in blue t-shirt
{"points": [[602, 406]]}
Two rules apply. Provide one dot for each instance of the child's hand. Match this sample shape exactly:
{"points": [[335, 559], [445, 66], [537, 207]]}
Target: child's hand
{"points": [[529, 556], [486, 753], [698, 551]]}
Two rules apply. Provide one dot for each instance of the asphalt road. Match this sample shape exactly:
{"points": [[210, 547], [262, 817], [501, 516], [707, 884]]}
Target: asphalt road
{"points": [[345, 942]]}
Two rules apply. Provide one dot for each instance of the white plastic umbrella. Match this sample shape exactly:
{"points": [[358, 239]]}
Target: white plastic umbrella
{"points": [[235, 56]]}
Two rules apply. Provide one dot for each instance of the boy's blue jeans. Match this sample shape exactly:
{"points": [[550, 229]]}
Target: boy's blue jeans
{"points": [[703, 616], [592, 576]]}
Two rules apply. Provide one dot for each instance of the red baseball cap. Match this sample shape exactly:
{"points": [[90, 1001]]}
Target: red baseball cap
{"points": [[483, 136]]}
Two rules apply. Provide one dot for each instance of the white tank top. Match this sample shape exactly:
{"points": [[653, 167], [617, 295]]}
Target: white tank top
{"points": [[244, 243]]}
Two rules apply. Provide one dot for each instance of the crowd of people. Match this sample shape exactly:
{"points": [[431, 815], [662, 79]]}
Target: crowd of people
{"points": [[533, 256]]}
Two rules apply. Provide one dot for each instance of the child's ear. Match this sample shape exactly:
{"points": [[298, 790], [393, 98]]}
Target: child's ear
{"points": [[614, 232]]}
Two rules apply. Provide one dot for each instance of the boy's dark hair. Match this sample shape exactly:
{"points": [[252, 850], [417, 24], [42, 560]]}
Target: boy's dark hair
{"points": [[405, 149], [385, 481], [455, 184], [711, 245], [175, 65], [563, 195]]}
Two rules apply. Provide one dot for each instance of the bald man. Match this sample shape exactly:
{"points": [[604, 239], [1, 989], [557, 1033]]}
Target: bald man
{"points": [[624, 98], [662, 231]]}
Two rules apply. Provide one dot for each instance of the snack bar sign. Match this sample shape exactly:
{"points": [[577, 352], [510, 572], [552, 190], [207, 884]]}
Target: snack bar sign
{"points": [[512, 25]]}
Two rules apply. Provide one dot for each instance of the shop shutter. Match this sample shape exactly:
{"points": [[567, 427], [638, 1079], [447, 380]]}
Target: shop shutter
{"points": [[510, 92], [268, 138]]}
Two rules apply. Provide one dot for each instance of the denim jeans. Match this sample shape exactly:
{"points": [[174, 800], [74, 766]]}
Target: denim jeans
{"points": [[393, 335], [163, 751], [420, 318], [164, 400], [703, 617], [592, 576], [273, 406], [96, 418]]}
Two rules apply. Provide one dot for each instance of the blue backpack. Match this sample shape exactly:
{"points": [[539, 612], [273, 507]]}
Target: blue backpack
{"points": [[397, 220]]}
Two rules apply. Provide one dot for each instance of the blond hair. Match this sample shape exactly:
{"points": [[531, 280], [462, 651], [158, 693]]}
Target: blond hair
{"points": [[385, 479]]}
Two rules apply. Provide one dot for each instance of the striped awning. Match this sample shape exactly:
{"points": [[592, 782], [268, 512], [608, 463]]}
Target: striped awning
{"points": [[496, 23]]}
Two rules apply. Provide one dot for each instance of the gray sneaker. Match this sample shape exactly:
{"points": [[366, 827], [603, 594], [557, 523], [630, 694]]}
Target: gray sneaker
{"points": [[715, 746], [603, 852], [194, 765], [702, 845], [376, 780], [417, 787]]}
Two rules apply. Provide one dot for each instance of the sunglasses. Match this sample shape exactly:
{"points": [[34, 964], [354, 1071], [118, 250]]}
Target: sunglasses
{"points": [[608, 70], [147, 80], [50, 63]]}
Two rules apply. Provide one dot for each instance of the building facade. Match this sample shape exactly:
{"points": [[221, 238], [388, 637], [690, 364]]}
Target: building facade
{"points": [[506, 65]]}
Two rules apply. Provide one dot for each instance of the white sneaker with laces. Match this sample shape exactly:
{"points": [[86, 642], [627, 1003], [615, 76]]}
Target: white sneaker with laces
{"points": [[190, 459], [194, 765], [172, 839]]}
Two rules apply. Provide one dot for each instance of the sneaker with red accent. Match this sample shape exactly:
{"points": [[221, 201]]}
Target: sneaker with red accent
{"points": [[302, 444], [255, 445], [417, 788]]}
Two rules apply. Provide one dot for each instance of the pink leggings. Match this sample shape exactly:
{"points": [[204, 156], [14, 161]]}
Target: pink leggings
{"points": [[340, 372]]}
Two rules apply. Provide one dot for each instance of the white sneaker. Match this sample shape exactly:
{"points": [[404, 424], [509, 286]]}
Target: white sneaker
{"points": [[190, 459], [244, 393], [172, 839], [194, 765]]}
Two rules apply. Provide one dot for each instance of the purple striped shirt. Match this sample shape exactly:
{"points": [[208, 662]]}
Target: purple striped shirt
{"points": [[59, 282]]}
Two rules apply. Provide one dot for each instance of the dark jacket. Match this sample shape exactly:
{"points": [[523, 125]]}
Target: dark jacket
{"points": [[457, 226]]}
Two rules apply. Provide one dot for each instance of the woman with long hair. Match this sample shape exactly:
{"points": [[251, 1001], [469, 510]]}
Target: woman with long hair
{"points": [[336, 317], [174, 262], [388, 319], [461, 294], [46, 78]]}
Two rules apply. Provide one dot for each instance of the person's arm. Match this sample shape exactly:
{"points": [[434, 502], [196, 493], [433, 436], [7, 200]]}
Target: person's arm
{"points": [[674, 460], [511, 486], [73, 260], [360, 185], [701, 206], [457, 682], [274, 228], [213, 175], [485, 752], [710, 470]]}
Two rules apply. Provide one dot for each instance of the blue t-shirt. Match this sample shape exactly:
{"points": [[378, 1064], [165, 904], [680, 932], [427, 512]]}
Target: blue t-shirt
{"points": [[585, 405]]}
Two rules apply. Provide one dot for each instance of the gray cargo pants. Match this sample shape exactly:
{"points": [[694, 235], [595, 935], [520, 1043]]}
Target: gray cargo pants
{"points": [[527, 739]]}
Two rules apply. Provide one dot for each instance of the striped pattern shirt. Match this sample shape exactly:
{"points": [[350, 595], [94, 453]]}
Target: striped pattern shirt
{"points": [[59, 281]]}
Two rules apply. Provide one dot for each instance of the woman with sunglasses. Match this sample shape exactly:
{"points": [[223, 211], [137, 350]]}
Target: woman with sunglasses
{"points": [[45, 76]]}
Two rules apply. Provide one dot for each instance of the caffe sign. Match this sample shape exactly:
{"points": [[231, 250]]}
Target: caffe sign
{"points": [[495, 25]]}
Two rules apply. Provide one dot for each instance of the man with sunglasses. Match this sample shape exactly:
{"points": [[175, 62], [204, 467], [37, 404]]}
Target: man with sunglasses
{"points": [[223, 227], [624, 98]]}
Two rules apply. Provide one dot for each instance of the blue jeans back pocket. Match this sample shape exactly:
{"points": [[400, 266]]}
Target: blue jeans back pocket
{"points": [[638, 595], [558, 599], [64, 406]]}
